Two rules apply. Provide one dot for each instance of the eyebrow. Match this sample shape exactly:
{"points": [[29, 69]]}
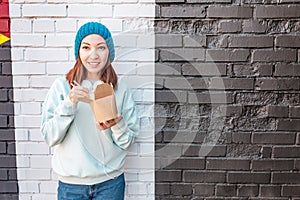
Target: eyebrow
{"points": [[90, 44]]}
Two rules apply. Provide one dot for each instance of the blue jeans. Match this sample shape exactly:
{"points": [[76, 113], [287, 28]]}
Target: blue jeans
{"points": [[109, 190]]}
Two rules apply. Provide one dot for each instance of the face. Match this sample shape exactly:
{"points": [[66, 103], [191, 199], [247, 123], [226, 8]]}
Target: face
{"points": [[94, 54]]}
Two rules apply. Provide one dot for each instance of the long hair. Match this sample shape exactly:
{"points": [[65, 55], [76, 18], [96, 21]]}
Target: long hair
{"points": [[78, 73]]}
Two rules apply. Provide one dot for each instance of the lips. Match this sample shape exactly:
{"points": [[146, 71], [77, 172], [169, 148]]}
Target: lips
{"points": [[94, 64]]}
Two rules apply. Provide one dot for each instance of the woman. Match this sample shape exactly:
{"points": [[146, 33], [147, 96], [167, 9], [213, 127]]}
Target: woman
{"points": [[88, 155]]}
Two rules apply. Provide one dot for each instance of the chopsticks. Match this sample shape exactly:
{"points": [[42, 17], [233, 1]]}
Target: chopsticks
{"points": [[75, 83]]}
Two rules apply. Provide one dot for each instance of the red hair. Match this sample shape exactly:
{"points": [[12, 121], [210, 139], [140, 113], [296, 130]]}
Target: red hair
{"points": [[78, 73]]}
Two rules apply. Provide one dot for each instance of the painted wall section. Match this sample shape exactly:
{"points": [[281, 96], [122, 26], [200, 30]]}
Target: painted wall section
{"points": [[227, 100]]}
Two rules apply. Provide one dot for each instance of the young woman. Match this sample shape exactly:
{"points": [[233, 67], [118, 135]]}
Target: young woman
{"points": [[89, 155]]}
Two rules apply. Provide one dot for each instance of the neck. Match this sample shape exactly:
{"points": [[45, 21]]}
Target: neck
{"points": [[94, 77]]}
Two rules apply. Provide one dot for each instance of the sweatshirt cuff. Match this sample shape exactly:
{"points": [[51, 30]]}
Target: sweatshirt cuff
{"points": [[67, 107], [69, 104], [119, 128]]}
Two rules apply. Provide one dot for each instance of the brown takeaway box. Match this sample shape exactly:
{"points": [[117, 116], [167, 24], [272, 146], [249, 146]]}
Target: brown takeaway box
{"points": [[104, 104]]}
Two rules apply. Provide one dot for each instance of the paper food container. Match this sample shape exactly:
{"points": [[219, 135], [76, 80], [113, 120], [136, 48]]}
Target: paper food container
{"points": [[104, 103]]}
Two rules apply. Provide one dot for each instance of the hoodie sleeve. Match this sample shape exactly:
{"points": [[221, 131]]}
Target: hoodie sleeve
{"points": [[125, 131], [57, 113]]}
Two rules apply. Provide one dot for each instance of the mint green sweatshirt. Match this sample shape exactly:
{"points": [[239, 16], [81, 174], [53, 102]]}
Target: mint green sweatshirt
{"points": [[83, 154]]}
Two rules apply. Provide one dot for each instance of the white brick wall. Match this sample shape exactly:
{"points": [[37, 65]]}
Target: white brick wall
{"points": [[42, 49]]}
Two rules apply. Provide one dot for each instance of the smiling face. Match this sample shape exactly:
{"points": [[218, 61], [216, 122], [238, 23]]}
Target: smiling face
{"points": [[94, 55]]}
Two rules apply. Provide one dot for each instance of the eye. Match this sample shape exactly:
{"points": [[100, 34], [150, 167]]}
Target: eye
{"points": [[102, 47], [85, 47]]}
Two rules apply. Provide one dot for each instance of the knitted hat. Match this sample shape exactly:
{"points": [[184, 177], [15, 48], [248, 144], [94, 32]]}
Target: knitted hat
{"points": [[95, 28]]}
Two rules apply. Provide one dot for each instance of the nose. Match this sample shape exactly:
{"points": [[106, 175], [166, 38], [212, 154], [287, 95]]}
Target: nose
{"points": [[94, 54]]}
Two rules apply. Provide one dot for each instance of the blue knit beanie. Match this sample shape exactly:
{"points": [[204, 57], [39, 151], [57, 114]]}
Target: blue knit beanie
{"points": [[95, 28]]}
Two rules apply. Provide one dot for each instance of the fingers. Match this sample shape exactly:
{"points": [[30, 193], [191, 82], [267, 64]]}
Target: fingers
{"points": [[101, 126], [79, 93], [77, 86], [109, 123]]}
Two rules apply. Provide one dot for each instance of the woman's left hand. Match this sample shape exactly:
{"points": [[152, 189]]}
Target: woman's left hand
{"points": [[107, 124]]}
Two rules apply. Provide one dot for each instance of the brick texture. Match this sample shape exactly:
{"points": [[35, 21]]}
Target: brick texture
{"points": [[231, 100]]}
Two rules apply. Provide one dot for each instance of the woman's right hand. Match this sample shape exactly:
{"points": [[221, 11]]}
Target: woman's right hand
{"points": [[79, 93]]}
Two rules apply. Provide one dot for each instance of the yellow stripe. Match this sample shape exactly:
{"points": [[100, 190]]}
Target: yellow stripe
{"points": [[3, 39]]}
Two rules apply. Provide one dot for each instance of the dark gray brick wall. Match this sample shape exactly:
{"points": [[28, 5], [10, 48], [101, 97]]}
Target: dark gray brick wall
{"points": [[8, 172], [227, 109]]}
